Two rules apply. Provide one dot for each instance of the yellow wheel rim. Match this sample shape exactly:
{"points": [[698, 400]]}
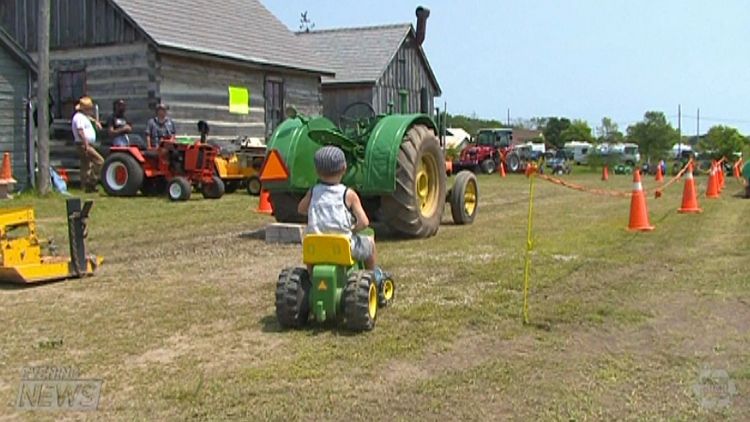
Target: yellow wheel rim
{"points": [[372, 306], [470, 197], [388, 290], [427, 185]]}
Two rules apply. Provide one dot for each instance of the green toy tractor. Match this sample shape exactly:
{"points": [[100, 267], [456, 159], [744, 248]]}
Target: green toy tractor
{"points": [[394, 161], [337, 287]]}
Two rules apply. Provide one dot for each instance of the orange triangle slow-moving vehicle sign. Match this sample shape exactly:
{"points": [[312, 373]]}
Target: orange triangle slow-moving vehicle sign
{"points": [[274, 169]]}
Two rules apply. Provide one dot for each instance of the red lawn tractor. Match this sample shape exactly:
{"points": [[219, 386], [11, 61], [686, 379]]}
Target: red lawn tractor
{"points": [[171, 167], [493, 146]]}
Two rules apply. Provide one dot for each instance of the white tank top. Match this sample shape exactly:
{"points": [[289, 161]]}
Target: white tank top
{"points": [[328, 212]]}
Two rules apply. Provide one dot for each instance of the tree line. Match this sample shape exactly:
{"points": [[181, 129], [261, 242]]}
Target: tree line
{"points": [[654, 134]]}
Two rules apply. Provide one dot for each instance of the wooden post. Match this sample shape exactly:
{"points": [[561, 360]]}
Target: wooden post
{"points": [[42, 96]]}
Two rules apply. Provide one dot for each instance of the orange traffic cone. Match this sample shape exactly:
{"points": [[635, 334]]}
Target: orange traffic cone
{"points": [[638, 212], [659, 174], [605, 173], [713, 184], [502, 169], [6, 173], [689, 194], [720, 173], [264, 206]]}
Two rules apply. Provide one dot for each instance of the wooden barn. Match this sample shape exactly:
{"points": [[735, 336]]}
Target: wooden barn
{"points": [[17, 75], [376, 64], [175, 52]]}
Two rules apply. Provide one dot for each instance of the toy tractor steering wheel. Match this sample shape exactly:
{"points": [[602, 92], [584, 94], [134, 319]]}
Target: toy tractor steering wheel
{"points": [[358, 120]]}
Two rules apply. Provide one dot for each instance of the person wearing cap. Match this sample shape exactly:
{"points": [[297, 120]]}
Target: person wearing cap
{"points": [[330, 206], [84, 136], [159, 127], [117, 126]]}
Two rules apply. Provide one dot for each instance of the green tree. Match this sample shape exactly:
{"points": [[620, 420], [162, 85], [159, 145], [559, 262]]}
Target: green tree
{"points": [[654, 135], [553, 128], [578, 131], [609, 132], [722, 141]]}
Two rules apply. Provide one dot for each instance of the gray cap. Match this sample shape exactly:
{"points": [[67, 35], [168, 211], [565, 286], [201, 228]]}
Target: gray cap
{"points": [[329, 160]]}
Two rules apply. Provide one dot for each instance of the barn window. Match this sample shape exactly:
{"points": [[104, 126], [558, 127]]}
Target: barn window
{"points": [[71, 86], [274, 104]]}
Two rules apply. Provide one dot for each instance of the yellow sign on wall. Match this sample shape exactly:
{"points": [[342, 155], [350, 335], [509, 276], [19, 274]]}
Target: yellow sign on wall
{"points": [[239, 100]]}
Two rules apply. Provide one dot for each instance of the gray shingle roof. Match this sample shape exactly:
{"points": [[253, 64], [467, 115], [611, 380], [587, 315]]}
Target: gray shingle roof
{"points": [[7, 41], [361, 54], [244, 30]]}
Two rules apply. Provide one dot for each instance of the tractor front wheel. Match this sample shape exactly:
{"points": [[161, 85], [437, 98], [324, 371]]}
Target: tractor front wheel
{"points": [[416, 208], [254, 186], [513, 162], [361, 301], [464, 198], [488, 166], [121, 175], [215, 190], [179, 189], [293, 297], [386, 291]]}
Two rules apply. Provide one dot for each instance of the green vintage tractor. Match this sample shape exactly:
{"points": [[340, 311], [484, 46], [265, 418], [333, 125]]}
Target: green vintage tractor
{"points": [[394, 162]]}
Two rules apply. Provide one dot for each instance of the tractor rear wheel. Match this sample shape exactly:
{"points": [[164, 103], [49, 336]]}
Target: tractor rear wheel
{"points": [[293, 297], [464, 198], [285, 207], [179, 189], [254, 185], [416, 208], [121, 175], [214, 190], [361, 301], [513, 162]]}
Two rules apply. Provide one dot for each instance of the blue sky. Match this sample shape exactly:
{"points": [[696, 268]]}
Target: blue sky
{"points": [[576, 58]]}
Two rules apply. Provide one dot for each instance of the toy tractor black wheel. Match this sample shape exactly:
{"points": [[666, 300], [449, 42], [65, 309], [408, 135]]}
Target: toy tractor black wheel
{"points": [[488, 166], [254, 186], [179, 189], [293, 297], [285, 207], [464, 198], [121, 175], [361, 301], [513, 162], [214, 190], [416, 208], [386, 291]]}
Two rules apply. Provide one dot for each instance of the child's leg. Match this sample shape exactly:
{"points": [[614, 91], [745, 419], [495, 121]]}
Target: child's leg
{"points": [[370, 261]]}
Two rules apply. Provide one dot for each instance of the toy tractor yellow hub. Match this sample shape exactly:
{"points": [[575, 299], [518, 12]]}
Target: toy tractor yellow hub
{"points": [[427, 185], [470, 198]]}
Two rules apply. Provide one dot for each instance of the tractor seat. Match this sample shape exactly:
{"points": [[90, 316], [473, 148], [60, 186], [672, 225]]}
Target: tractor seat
{"points": [[331, 249], [150, 153]]}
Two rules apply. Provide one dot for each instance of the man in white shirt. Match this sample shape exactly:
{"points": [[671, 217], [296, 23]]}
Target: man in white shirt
{"points": [[85, 136]]}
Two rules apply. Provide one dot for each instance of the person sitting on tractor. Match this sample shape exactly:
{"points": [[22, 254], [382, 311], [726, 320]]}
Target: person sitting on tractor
{"points": [[330, 206], [160, 127], [117, 126]]}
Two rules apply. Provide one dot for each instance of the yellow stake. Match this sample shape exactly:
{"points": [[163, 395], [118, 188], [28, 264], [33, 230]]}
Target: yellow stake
{"points": [[529, 246]]}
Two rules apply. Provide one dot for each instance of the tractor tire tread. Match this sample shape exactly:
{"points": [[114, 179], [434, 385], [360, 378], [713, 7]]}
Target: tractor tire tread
{"points": [[292, 297], [458, 197]]}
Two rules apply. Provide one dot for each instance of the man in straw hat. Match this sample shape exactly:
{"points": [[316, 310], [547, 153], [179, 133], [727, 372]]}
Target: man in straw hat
{"points": [[85, 136]]}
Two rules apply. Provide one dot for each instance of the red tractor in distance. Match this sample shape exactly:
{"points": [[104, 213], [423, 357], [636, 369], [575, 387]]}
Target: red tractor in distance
{"points": [[492, 147], [172, 167]]}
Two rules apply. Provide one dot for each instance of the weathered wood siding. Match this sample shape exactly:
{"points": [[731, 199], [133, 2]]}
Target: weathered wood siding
{"points": [[406, 71], [74, 23], [199, 90], [123, 71], [14, 79], [337, 98]]}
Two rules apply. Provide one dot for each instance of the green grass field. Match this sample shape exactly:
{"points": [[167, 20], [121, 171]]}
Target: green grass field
{"points": [[179, 321]]}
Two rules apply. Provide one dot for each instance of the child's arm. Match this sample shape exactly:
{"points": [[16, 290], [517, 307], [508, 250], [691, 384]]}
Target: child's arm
{"points": [[304, 204], [355, 204]]}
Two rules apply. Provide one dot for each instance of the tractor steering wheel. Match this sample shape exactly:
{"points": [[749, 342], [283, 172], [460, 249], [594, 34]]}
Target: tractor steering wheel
{"points": [[359, 120]]}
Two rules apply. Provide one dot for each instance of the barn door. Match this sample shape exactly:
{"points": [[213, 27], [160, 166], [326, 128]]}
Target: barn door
{"points": [[274, 104]]}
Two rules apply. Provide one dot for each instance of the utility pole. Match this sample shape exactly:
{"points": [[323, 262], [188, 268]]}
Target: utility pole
{"points": [[508, 116], [698, 127], [679, 131], [42, 97]]}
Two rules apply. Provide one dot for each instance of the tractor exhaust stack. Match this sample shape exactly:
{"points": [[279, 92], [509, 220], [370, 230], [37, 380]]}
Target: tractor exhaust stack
{"points": [[422, 14]]}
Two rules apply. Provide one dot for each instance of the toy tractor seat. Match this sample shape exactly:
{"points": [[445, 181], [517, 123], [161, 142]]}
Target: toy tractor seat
{"points": [[334, 249]]}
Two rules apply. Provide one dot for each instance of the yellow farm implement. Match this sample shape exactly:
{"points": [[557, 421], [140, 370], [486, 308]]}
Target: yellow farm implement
{"points": [[22, 258]]}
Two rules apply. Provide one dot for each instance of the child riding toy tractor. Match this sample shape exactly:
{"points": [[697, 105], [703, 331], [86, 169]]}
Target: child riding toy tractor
{"points": [[338, 286]]}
